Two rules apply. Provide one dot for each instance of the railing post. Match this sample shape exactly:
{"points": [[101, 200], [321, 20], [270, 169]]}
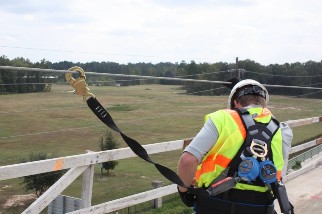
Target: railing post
{"points": [[87, 189], [157, 203]]}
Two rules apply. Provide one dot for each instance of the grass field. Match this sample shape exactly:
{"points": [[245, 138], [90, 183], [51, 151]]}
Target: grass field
{"points": [[60, 122]]}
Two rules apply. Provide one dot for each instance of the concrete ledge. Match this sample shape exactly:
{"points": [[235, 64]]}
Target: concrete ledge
{"points": [[312, 164]]}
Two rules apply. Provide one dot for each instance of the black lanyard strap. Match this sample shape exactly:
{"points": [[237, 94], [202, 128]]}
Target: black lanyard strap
{"points": [[137, 148]]}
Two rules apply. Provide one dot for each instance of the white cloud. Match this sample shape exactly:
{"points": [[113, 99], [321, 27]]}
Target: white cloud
{"points": [[154, 30]]}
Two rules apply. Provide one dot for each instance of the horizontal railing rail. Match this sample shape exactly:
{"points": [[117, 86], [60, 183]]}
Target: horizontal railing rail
{"points": [[304, 156]]}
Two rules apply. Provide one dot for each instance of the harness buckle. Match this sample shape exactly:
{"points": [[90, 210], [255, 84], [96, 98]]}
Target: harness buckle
{"points": [[78, 84], [258, 148]]}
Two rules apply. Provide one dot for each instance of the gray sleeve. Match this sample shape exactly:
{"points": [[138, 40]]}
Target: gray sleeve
{"points": [[204, 140], [287, 137]]}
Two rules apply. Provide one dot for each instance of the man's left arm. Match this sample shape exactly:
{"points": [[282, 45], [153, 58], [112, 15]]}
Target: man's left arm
{"points": [[287, 137]]}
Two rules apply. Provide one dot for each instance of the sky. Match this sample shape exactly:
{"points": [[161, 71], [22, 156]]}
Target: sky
{"points": [[132, 31]]}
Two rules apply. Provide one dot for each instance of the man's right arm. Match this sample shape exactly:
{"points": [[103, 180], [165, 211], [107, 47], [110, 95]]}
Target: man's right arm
{"points": [[204, 141], [195, 151], [187, 168]]}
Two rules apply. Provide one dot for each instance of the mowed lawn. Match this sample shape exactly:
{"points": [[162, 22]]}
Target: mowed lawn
{"points": [[60, 123]]}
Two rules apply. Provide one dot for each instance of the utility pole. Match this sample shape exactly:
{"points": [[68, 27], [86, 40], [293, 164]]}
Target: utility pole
{"points": [[237, 69]]}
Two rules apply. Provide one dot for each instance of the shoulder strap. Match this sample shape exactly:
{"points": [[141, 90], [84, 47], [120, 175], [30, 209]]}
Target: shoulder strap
{"points": [[254, 130]]}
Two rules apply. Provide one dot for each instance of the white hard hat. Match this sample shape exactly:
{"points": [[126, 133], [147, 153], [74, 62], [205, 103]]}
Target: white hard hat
{"points": [[254, 88]]}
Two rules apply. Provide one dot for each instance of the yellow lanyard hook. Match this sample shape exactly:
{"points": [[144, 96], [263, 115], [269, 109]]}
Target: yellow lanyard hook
{"points": [[79, 84]]}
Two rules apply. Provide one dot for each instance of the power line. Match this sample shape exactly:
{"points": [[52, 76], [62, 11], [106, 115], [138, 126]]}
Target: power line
{"points": [[73, 51], [312, 84], [279, 75], [73, 107], [40, 109], [144, 77], [110, 74], [307, 94], [97, 53], [27, 83], [212, 89], [149, 102], [290, 86], [95, 126], [215, 72]]}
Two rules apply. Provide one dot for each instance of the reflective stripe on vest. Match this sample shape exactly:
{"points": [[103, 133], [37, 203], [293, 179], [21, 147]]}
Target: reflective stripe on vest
{"points": [[232, 134]]}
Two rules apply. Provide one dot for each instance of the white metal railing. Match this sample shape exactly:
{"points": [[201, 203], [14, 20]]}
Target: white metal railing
{"points": [[84, 164]]}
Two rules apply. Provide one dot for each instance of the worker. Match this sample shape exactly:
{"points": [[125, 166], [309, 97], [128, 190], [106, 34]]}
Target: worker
{"points": [[219, 148]]}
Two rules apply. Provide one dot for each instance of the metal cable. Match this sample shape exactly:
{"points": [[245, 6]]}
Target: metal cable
{"points": [[144, 77]]}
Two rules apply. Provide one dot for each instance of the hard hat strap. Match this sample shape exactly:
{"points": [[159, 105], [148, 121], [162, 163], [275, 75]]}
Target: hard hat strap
{"points": [[250, 89]]}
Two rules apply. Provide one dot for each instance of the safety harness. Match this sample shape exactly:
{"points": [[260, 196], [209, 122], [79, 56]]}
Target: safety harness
{"points": [[256, 150], [252, 165], [81, 88]]}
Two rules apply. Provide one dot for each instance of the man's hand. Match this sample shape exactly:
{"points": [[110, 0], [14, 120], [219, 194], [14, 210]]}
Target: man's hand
{"points": [[187, 198], [186, 170]]}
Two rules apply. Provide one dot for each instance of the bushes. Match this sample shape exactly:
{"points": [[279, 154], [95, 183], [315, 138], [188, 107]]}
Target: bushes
{"points": [[108, 143], [41, 182]]}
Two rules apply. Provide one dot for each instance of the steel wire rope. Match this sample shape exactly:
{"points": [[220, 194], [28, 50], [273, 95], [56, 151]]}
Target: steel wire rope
{"points": [[312, 84], [73, 51], [147, 77], [71, 107], [214, 72], [154, 101], [37, 83], [41, 109], [197, 92], [107, 81], [306, 104], [223, 87], [102, 53], [148, 102], [27, 83], [47, 70], [190, 93], [296, 96], [279, 75], [97, 53]]}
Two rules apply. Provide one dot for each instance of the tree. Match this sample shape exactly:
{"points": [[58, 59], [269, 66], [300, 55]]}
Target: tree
{"points": [[41, 182], [108, 143]]}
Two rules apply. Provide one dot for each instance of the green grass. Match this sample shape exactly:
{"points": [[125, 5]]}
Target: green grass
{"points": [[60, 122]]}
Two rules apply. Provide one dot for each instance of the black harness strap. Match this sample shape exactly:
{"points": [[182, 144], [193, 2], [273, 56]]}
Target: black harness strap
{"points": [[106, 118], [254, 130]]}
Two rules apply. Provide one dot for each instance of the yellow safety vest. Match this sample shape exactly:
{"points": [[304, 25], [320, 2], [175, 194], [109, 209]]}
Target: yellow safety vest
{"points": [[231, 135]]}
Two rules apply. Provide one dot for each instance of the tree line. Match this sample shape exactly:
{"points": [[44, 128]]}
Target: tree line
{"points": [[307, 74]]}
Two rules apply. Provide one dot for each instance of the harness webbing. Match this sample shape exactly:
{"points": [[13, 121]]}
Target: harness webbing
{"points": [[263, 132]]}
